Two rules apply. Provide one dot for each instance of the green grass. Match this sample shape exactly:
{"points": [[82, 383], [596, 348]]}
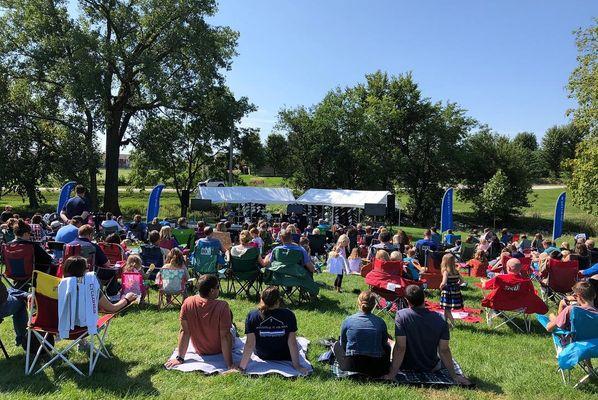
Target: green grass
{"points": [[262, 181], [502, 363]]}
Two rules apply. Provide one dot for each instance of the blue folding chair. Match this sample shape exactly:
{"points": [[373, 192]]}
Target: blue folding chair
{"points": [[578, 345]]}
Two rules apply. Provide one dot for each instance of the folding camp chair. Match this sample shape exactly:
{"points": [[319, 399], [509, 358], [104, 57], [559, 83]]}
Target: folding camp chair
{"points": [[558, 278], [578, 345], [185, 237], [244, 271], [287, 271], [2, 344], [512, 296], [205, 259], [171, 287], [43, 326], [19, 263], [132, 282], [151, 254], [113, 252], [467, 251]]}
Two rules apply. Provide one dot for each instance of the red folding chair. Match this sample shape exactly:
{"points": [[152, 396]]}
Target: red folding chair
{"points": [[43, 326], [113, 252], [558, 278], [19, 263], [512, 296]]}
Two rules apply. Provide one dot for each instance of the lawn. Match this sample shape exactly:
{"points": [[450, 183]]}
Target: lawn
{"points": [[502, 363]]}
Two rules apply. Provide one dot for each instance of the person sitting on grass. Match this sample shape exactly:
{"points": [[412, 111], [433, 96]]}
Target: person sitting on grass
{"points": [[422, 339], [584, 296], [271, 332], [478, 264], [207, 322], [363, 346]]}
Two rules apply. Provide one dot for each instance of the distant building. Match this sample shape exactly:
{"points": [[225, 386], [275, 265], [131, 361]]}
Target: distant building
{"points": [[124, 160]]}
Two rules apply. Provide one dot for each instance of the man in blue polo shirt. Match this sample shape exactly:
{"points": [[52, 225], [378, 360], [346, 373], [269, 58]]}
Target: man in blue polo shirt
{"points": [[75, 205], [68, 233], [287, 243]]}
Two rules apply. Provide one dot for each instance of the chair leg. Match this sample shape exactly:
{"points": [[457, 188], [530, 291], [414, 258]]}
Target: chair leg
{"points": [[4, 349]]}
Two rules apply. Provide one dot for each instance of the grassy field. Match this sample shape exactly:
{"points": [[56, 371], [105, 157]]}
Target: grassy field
{"points": [[502, 363]]}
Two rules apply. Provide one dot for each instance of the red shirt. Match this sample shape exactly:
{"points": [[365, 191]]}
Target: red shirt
{"points": [[206, 319]]}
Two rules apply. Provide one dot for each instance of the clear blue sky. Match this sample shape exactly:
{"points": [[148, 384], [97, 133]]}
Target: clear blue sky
{"points": [[507, 62]]}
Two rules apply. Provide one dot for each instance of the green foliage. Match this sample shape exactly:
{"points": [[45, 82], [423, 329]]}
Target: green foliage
{"points": [[277, 153], [377, 135], [558, 145], [177, 146], [107, 65], [583, 82], [251, 149], [583, 184], [495, 199], [526, 140], [487, 153]]}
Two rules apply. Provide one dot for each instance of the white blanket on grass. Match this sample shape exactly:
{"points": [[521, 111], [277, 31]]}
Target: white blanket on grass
{"points": [[215, 364]]}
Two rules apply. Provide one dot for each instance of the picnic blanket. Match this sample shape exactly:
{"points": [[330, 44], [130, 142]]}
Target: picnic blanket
{"points": [[438, 378], [214, 364], [466, 314]]}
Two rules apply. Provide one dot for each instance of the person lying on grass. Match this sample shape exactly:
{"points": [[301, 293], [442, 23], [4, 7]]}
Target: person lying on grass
{"points": [[207, 322], [271, 332], [422, 339]]}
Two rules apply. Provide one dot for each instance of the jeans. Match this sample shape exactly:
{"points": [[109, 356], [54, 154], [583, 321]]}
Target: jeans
{"points": [[16, 307]]}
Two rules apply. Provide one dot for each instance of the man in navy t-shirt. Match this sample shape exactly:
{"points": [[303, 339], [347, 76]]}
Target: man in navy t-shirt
{"points": [[422, 339], [76, 205], [426, 242]]}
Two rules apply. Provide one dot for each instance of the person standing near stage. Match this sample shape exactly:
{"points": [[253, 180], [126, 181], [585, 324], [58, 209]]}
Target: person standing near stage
{"points": [[77, 205]]}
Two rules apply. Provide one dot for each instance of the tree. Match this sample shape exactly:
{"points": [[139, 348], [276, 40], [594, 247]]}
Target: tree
{"points": [[583, 82], [487, 153], [379, 134], [583, 183], [558, 144], [276, 153], [527, 140], [251, 149], [496, 197], [108, 67], [176, 146]]}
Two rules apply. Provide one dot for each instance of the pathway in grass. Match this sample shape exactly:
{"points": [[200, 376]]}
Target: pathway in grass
{"points": [[503, 363]]}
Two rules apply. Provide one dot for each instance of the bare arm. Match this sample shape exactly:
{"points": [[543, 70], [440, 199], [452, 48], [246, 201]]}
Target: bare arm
{"points": [[182, 345], [226, 344], [444, 352], [294, 350], [110, 308], [398, 354], [310, 267], [247, 351], [444, 279]]}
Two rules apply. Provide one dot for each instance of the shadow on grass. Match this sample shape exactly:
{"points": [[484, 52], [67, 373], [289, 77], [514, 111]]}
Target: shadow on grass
{"points": [[103, 377]]}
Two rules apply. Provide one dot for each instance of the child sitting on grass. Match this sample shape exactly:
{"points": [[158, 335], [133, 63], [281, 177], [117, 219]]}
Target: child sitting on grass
{"points": [[354, 261]]}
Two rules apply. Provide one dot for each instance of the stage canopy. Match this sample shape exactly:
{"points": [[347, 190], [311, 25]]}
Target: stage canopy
{"points": [[245, 194], [342, 197]]}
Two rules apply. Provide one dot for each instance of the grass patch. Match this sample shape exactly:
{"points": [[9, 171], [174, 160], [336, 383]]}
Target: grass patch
{"points": [[503, 363], [262, 181]]}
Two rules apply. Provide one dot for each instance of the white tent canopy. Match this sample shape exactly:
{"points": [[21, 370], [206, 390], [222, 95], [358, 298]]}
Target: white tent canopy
{"points": [[245, 194], [342, 197]]}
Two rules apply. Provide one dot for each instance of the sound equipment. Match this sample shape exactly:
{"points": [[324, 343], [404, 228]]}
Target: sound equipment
{"points": [[374, 209], [295, 208], [390, 204], [200, 204]]}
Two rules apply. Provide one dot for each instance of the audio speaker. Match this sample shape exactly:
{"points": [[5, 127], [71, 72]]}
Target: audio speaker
{"points": [[201, 204], [390, 204], [374, 209]]}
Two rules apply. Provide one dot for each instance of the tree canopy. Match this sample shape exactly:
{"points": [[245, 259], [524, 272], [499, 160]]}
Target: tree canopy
{"points": [[112, 65]]}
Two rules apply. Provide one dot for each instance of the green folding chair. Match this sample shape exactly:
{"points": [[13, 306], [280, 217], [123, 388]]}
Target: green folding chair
{"points": [[288, 272], [185, 237], [244, 273]]}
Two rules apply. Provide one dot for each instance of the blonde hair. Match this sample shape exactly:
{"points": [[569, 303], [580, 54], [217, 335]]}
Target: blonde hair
{"points": [[291, 228], [165, 233], [133, 263], [396, 256], [448, 264], [480, 255], [342, 239], [244, 237], [382, 255], [354, 254], [366, 301]]}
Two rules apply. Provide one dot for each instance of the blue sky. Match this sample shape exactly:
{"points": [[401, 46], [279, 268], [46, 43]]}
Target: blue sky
{"points": [[507, 62]]}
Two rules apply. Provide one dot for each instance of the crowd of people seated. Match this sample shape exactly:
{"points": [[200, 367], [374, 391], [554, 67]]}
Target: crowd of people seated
{"points": [[421, 336]]}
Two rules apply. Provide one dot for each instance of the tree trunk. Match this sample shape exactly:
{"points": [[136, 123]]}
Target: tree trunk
{"points": [[32, 196], [112, 153], [92, 168]]}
